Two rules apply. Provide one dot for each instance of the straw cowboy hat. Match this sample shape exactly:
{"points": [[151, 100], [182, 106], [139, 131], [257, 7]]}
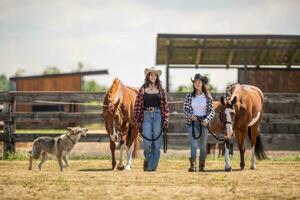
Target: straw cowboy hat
{"points": [[204, 79], [154, 70]]}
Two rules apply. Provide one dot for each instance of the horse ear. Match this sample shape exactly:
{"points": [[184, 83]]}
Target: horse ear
{"points": [[233, 101], [222, 100]]}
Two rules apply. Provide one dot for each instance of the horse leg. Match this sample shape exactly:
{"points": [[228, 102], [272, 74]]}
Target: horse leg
{"points": [[121, 163], [241, 136], [112, 149], [254, 132], [129, 157], [227, 159]]}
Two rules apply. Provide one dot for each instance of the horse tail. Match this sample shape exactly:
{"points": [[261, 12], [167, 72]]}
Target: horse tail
{"points": [[259, 147]]}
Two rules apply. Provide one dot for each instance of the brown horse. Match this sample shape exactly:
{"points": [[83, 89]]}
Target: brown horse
{"points": [[118, 115], [241, 113]]}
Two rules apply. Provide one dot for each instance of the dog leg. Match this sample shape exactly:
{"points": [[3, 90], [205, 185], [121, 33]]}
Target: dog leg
{"points": [[66, 161], [43, 159], [60, 163], [30, 162]]}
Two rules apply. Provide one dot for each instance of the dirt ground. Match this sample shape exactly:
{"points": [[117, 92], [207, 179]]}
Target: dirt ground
{"points": [[277, 178]]}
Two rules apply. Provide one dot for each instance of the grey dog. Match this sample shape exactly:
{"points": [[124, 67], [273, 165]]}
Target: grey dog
{"points": [[58, 146]]}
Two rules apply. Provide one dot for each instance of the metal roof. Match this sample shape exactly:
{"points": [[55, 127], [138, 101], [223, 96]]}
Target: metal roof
{"points": [[228, 49], [84, 73]]}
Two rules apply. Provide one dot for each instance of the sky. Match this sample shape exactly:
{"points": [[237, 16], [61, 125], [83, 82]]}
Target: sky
{"points": [[120, 35]]}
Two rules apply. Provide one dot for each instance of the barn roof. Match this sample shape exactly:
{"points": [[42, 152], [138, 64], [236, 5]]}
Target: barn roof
{"points": [[84, 73], [228, 50]]}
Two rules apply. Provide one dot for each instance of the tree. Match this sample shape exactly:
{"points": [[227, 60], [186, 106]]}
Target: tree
{"points": [[92, 86], [80, 67], [51, 70], [20, 72], [5, 84]]}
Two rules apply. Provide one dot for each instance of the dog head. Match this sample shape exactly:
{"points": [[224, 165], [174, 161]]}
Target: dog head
{"points": [[76, 132]]}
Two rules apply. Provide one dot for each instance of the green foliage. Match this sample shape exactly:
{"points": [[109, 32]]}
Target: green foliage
{"points": [[92, 86], [5, 84], [187, 89], [51, 70], [184, 89]]}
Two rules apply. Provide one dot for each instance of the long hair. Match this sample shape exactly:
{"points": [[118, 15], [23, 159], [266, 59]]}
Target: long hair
{"points": [[204, 89], [147, 82]]}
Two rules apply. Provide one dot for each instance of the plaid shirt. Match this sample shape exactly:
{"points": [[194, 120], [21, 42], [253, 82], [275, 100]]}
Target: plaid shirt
{"points": [[188, 110], [139, 108]]}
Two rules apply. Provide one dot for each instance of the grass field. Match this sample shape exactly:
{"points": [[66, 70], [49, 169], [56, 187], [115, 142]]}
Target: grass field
{"points": [[277, 178]]}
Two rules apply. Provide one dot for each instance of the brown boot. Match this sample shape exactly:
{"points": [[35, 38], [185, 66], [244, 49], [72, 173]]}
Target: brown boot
{"points": [[145, 165], [201, 165], [193, 165]]}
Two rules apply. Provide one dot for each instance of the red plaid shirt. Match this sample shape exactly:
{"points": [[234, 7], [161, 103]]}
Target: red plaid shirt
{"points": [[139, 108]]}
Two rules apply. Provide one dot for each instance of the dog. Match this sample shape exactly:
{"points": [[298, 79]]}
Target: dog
{"points": [[58, 146]]}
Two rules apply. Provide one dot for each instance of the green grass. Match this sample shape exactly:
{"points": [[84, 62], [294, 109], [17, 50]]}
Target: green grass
{"points": [[45, 131], [94, 126]]}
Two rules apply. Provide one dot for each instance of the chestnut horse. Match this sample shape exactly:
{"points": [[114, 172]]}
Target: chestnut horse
{"points": [[118, 115], [241, 113]]}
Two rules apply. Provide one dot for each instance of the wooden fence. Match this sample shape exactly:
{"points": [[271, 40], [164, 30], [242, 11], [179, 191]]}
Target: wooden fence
{"points": [[280, 128]]}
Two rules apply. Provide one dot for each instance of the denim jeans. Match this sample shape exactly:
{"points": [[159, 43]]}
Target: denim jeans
{"points": [[152, 125], [202, 140]]}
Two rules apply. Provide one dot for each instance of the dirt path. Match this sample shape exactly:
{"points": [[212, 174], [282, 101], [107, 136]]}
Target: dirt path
{"points": [[93, 179]]}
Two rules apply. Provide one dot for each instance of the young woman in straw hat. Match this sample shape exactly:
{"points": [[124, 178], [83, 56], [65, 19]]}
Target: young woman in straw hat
{"points": [[199, 111], [151, 114]]}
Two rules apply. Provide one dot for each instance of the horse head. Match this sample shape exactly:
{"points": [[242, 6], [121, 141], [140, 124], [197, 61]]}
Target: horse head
{"points": [[113, 110], [227, 116]]}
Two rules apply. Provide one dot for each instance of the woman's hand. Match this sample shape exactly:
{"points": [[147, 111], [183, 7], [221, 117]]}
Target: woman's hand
{"points": [[194, 117], [204, 122]]}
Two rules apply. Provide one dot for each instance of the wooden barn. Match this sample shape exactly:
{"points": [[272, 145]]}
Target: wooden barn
{"points": [[53, 82]]}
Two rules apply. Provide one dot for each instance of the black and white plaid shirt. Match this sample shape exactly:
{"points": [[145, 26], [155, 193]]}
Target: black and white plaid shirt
{"points": [[188, 110]]}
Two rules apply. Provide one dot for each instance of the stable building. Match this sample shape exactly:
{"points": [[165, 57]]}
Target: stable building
{"points": [[271, 62], [52, 82]]}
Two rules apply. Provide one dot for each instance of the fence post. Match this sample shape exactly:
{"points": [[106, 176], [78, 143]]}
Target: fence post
{"points": [[9, 128]]}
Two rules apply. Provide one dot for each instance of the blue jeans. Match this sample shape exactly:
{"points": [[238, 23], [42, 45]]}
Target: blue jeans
{"points": [[194, 142], [152, 125]]}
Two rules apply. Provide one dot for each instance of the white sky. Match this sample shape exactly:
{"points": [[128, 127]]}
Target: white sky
{"points": [[121, 35]]}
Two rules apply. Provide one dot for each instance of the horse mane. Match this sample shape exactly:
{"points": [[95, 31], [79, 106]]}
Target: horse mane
{"points": [[113, 89]]}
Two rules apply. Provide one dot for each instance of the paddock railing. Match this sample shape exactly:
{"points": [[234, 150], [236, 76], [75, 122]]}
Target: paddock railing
{"points": [[281, 120]]}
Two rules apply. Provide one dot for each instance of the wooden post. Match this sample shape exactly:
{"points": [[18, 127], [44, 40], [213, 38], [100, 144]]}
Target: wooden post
{"points": [[246, 74], [167, 70], [9, 128]]}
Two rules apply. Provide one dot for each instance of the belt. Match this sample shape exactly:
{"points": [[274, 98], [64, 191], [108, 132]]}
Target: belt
{"points": [[151, 109]]}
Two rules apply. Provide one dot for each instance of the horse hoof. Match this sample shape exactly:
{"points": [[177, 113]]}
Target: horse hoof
{"points": [[252, 168], [114, 165], [121, 167], [242, 168], [228, 169], [128, 167]]}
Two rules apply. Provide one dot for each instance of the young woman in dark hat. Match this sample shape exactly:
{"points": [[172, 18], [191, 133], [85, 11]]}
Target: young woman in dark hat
{"points": [[151, 113], [198, 110]]}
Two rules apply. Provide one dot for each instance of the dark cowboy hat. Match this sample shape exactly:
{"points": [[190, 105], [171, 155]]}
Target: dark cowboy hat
{"points": [[204, 79]]}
